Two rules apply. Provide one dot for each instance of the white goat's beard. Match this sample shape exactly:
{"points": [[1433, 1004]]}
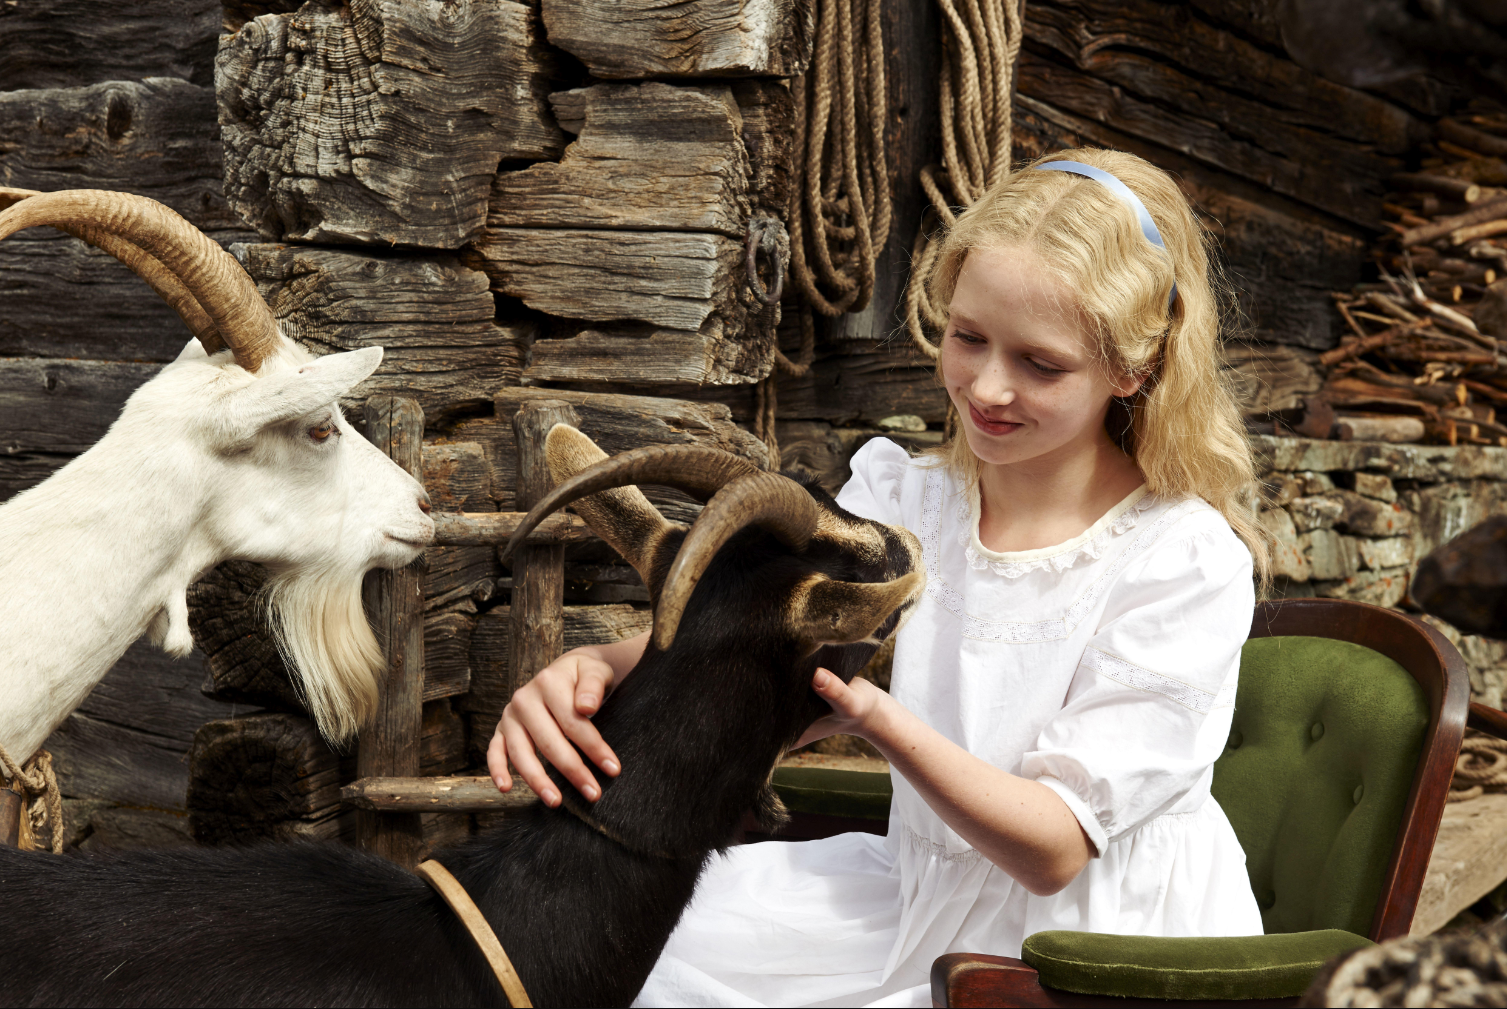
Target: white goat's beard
{"points": [[320, 625]]}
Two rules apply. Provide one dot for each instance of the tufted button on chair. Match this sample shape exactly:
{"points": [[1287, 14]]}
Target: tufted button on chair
{"points": [[1348, 720]]}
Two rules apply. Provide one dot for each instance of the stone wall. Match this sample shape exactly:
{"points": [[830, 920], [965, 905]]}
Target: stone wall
{"points": [[1351, 520]]}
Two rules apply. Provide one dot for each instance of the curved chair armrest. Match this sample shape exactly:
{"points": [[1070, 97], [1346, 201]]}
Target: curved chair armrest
{"points": [[1114, 970], [1491, 721]]}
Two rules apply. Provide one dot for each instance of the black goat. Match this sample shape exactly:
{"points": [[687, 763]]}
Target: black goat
{"points": [[773, 579]]}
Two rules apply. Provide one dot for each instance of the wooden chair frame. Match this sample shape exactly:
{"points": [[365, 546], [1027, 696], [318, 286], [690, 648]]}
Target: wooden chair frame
{"points": [[970, 979]]}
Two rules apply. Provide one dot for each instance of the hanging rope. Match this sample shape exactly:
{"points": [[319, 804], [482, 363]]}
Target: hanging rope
{"points": [[1482, 765], [980, 44], [41, 799], [840, 210]]}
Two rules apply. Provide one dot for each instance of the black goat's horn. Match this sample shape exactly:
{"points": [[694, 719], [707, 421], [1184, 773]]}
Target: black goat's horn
{"points": [[699, 471], [776, 502]]}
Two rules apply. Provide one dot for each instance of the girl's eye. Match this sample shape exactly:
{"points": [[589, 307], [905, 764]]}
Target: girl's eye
{"points": [[967, 338], [1044, 369], [323, 431]]}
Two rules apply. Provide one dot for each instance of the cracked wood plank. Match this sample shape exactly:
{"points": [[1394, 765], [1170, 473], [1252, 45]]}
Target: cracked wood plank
{"points": [[697, 38], [380, 123]]}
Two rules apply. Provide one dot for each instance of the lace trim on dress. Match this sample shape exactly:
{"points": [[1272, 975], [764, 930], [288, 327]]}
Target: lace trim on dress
{"points": [[938, 851], [1019, 632], [1092, 543], [1131, 675]]}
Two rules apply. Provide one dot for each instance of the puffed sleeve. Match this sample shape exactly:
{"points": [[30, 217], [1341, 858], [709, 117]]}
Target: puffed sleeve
{"points": [[1150, 705], [873, 492]]}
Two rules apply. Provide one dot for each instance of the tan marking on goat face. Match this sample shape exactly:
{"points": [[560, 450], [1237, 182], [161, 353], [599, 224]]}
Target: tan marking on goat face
{"points": [[860, 539], [824, 611]]}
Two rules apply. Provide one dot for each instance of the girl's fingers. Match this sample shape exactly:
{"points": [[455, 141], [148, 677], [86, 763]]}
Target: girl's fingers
{"points": [[834, 691], [527, 764], [540, 719], [593, 680], [497, 761]]}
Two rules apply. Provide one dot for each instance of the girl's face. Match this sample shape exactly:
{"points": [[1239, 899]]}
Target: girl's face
{"points": [[1020, 363]]}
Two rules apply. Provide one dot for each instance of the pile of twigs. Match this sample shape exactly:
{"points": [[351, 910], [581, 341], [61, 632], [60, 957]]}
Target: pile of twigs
{"points": [[1422, 361]]}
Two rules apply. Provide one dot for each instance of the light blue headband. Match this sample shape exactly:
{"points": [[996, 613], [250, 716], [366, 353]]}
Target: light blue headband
{"points": [[1120, 189]]}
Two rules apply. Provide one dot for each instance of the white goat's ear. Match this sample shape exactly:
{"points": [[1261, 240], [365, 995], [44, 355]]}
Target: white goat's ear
{"points": [[824, 611], [286, 395]]}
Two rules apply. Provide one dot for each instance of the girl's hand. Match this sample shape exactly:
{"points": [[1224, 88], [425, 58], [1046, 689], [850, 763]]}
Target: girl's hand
{"points": [[856, 707], [546, 715]]}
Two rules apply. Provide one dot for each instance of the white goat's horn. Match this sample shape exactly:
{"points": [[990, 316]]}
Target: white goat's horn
{"points": [[778, 503], [201, 281]]}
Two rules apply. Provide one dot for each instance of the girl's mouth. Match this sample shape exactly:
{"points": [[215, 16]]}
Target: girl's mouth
{"points": [[994, 427]]}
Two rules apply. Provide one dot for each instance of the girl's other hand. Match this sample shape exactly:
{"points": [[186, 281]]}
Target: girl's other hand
{"points": [[545, 716], [856, 707]]}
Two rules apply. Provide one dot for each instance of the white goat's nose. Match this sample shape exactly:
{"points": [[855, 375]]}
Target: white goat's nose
{"points": [[424, 505]]}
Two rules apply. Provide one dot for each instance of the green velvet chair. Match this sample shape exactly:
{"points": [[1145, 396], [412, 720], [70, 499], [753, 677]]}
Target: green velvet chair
{"points": [[1347, 725]]}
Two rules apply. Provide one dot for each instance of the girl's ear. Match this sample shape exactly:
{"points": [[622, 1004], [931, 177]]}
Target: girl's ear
{"points": [[1125, 386]]}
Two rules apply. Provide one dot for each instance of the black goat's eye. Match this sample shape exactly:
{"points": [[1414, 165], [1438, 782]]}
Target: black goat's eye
{"points": [[323, 431]]}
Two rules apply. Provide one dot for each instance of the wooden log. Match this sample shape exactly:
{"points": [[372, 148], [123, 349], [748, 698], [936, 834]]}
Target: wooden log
{"points": [[274, 776], [1442, 185], [538, 575], [72, 42], [432, 315], [768, 110], [1467, 861], [705, 38], [1394, 429], [491, 648], [1269, 380], [381, 122], [395, 600], [417, 795], [496, 528], [647, 157], [637, 355], [1486, 229], [674, 280], [58, 406], [459, 577], [60, 297], [1486, 210], [447, 654], [1468, 136]]}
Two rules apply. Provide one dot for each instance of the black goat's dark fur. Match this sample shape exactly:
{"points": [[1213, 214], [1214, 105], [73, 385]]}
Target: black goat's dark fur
{"points": [[583, 917]]}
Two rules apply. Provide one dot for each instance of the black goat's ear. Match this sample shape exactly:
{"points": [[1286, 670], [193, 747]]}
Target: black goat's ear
{"points": [[621, 515], [828, 612]]}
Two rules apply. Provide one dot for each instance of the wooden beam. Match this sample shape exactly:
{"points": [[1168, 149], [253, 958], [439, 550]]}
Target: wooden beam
{"points": [[427, 795], [496, 528], [395, 600], [538, 629]]}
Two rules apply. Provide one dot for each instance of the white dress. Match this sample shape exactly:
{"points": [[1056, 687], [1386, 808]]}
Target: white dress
{"points": [[1104, 668]]}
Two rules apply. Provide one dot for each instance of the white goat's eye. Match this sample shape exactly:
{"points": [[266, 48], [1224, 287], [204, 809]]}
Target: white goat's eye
{"points": [[323, 431]]}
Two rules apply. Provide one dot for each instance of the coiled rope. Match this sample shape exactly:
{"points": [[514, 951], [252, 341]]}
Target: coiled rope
{"points": [[980, 44], [840, 206], [1481, 767], [41, 799]]}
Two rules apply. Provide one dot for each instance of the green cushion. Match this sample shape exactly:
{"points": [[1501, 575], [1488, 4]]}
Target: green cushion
{"points": [[1236, 967], [864, 794], [1315, 775]]}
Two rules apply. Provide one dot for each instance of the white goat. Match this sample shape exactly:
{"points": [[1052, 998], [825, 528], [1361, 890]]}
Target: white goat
{"points": [[234, 453]]}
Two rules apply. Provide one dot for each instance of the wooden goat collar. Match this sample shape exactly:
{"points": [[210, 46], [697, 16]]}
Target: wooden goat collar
{"points": [[449, 888]]}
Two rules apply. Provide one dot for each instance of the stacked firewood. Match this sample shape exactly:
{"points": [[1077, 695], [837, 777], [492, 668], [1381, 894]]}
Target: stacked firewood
{"points": [[1422, 361]]}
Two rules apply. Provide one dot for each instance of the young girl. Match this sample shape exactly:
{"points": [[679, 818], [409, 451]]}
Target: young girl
{"points": [[1062, 690]]}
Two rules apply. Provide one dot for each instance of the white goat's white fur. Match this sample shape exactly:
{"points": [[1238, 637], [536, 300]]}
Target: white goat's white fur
{"points": [[206, 463]]}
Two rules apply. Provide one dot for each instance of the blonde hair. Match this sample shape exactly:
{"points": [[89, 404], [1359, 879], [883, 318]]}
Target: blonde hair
{"points": [[1182, 428]]}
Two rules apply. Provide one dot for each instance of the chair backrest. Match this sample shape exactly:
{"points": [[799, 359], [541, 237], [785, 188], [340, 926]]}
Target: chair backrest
{"points": [[1347, 723]]}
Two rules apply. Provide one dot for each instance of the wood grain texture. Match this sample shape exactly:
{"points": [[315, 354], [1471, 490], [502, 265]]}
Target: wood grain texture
{"points": [[58, 406], [389, 744], [496, 528], [67, 43], [155, 138], [647, 157], [671, 279], [1152, 100], [431, 315], [701, 38], [537, 632], [1282, 256], [416, 795], [382, 122]]}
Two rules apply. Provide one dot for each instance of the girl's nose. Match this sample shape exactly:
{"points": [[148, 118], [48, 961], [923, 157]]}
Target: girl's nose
{"points": [[993, 387]]}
